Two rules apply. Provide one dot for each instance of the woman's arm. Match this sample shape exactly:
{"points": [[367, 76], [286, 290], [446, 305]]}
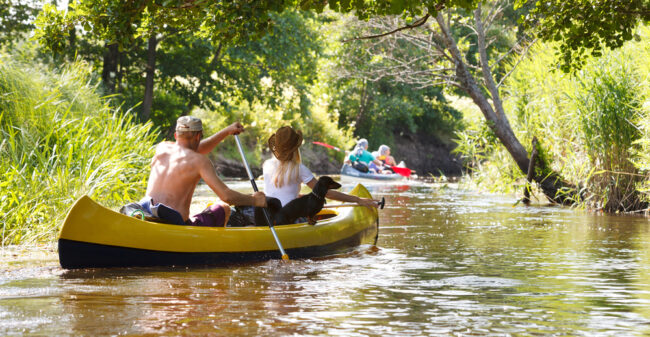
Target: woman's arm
{"points": [[339, 196]]}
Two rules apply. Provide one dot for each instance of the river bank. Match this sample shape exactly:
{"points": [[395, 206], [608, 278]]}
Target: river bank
{"points": [[425, 154]]}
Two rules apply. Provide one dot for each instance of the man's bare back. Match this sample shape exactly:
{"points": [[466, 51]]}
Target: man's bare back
{"points": [[177, 167], [174, 176]]}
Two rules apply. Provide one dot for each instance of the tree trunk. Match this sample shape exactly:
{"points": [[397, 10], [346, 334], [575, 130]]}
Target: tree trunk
{"points": [[120, 73], [147, 101], [363, 101], [109, 69], [531, 171], [554, 188]]}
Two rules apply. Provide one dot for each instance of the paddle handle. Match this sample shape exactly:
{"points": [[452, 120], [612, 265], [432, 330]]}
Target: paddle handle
{"points": [[266, 211]]}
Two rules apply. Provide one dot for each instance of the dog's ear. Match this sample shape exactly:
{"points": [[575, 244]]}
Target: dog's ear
{"points": [[334, 185], [331, 184]]}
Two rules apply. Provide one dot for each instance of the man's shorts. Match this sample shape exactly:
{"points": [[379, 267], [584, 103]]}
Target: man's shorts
{"points": [[213, 216]]}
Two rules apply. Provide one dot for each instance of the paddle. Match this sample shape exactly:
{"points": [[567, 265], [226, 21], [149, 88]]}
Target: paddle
{"points": [[381, 204], [327, 146], [403, 171], [266, 211]]}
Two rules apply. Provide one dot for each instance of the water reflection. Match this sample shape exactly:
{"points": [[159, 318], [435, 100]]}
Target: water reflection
{"points": [[448, 262]]}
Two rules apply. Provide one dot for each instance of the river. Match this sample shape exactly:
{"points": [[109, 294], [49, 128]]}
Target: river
{"points": [[448, 262]]}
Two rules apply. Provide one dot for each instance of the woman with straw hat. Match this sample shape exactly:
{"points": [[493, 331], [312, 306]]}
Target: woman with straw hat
{"points": [[284, 172]]}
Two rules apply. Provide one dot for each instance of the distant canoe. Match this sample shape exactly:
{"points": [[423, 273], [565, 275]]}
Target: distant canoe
{"points": [[348, 172], [95, 236]]}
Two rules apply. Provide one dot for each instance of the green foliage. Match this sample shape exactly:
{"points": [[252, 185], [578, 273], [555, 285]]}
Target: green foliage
{"points": [[378, 110], [60, 140], [205, 74], [590, 125], [16, 19], [234, 21], [123, 22], [366, 9], [193, 71], [608, 107], [586, 26], [261, 122], [365, 90]]}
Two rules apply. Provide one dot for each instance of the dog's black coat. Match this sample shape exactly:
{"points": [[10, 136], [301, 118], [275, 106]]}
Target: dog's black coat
{"points": [[307, 205], [273, 205]]}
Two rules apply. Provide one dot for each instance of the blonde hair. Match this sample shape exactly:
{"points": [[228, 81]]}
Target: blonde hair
{"points": [[289, 170]]}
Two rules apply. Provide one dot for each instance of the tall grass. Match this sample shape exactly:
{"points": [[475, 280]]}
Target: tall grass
{"points": [[60, 140], [590, 125], [608, 105]]}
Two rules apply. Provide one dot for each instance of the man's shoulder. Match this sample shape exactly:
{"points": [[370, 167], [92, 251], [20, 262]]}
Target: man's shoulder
{"points": [[165, 145]]}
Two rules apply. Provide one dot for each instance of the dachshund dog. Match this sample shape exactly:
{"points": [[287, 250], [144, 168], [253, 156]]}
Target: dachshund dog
{"points": [[273, 206], [307, 205]]}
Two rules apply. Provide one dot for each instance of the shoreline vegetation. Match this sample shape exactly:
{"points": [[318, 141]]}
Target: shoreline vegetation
{"points": [[61, 140], [593, 127], [66, 134]]}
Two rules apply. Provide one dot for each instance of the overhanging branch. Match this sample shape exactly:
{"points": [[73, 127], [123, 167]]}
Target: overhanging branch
{"points": [[419, 22]]}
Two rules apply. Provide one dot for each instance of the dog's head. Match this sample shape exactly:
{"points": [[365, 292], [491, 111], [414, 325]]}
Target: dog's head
{"points": [[323, 184]]}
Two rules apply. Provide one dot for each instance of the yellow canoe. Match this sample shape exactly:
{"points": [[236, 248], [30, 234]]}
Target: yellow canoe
{"points": [[94, 236]]}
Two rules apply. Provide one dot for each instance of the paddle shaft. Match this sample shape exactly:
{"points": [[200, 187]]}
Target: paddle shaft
{"points": [[266, 211], [381, 204], [341, 205]]}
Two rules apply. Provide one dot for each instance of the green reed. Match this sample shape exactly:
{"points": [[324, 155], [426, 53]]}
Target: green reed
{"points": [[590, 125], [59, 141]]}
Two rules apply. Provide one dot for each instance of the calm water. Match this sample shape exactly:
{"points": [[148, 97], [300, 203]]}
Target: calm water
{"points": [[448, 262]]}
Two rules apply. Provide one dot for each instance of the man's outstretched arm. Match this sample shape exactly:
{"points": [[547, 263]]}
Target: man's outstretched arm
{"points": [[208, 144]]}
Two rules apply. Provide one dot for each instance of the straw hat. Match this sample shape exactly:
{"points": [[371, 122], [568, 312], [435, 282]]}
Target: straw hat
{"points": [[285, 142]]}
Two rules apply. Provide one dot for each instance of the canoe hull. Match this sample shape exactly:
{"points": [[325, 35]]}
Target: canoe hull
{"points": [[76, 254], [95, 237]]}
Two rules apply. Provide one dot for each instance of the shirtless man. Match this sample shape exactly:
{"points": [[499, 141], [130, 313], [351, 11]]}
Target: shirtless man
{"points": [[176, 169]]}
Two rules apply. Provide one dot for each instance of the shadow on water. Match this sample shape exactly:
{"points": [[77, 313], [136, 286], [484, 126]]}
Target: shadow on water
{"points": [[447, 262]]}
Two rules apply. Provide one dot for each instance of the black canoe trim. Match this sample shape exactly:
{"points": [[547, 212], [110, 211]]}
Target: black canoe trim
{"points": [[77, 254]]}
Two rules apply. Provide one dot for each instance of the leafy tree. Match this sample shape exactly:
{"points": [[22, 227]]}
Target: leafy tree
{"points": [[194, 64], [238, 21], [121, 23], [16, 17], [445, 59], [381, 109], [583, 26]]}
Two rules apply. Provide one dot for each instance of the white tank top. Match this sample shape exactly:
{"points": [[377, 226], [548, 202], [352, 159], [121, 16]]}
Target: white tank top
{"points": [[290, 190]]}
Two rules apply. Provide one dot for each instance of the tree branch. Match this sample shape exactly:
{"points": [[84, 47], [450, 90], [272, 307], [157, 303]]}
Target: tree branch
{"points": [[485, 67], [419, 22], [523, 55]]}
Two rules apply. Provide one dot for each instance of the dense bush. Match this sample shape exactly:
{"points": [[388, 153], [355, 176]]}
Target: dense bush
{"points": [[590, 125], [61, 140]]}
